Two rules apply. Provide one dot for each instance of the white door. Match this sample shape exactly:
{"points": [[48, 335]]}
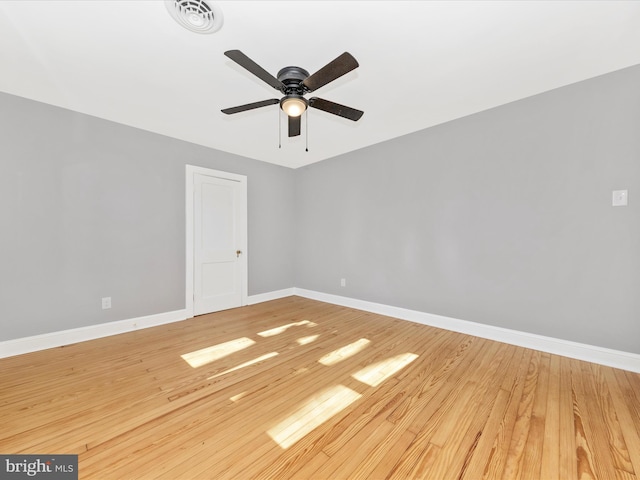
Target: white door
{"points": [[219, 243]]}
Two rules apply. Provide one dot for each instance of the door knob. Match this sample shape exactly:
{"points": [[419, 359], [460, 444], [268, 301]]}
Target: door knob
{"points": [[238, 252]]}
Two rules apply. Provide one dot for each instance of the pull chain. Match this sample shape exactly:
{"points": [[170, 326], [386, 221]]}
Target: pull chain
{"points": [[279, 129], [306, 125]]}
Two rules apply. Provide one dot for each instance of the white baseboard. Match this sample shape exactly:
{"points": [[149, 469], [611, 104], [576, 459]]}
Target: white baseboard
{"points": [[265, 297], [19, 346], [44, 341], [590, 353]]}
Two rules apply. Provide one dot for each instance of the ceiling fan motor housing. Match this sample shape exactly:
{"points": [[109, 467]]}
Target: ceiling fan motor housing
{"points": [[292, 78]]}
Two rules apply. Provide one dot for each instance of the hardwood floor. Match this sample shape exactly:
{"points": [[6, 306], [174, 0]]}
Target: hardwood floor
{"points": [[296, 388]]}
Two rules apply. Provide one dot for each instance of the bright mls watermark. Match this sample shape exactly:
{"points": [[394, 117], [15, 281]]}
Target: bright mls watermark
{"points": [[49, 467]]}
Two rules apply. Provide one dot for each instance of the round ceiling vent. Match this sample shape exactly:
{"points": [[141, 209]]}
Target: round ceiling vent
{"points": [[195, 15]]}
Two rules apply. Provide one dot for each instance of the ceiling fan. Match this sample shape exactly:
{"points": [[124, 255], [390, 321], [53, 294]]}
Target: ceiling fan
{"points": [[294, 83]]}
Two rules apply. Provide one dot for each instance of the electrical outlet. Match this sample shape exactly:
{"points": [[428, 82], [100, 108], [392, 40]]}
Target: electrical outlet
{"points": [[106, 302], [343, 282]]}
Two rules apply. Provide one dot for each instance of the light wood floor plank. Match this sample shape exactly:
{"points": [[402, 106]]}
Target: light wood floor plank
{"points": [[568, 467], [386, 397], [431, 414], [378, 455], [515, 460], [625, 418], [610, 424], [308, 390], [513, 383]]}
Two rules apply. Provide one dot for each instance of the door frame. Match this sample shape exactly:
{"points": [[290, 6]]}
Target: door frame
{"points": [[191, 171]]}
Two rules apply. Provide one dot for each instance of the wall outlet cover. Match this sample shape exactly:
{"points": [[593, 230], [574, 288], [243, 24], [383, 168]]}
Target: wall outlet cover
{"points": [[620, 198]]}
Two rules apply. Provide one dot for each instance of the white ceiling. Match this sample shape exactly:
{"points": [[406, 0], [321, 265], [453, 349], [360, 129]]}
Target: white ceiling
{"points": [[421, 63]]}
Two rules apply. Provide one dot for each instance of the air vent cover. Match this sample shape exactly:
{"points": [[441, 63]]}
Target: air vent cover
{"points": [[195, 15]]}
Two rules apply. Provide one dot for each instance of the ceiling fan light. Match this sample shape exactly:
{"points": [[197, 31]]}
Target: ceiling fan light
{"points": [[293, 105]]}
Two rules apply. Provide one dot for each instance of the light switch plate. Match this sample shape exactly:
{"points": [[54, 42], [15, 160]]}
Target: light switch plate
{"points": [[620, 198]]}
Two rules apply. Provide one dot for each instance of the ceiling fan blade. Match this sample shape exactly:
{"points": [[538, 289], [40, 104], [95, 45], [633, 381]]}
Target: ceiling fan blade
{"points": [[250, 106], [336, 108], [245, 62], [294, 126], [332, 70]]}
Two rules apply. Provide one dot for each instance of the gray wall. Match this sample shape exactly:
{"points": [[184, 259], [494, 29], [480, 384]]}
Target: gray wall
{"points": [[502, 218], [90, 208]]}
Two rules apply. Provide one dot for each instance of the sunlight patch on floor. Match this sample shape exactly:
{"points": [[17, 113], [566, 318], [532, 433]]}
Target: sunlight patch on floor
{"points": [[245, 364], [216, 352], [278, 330], [313, 413], [306, 340], [343, 353], [237, 397], [376, 373]]}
